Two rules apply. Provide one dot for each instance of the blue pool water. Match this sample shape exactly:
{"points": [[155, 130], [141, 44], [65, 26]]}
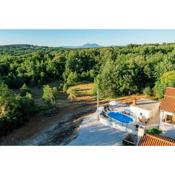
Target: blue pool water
{"points": [[120, 117]]}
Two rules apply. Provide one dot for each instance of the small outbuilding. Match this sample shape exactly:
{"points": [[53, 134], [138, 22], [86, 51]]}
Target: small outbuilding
{"points": [[145, 109]]}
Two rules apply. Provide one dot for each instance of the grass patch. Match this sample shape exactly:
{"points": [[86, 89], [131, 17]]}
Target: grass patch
{"points": [[154, 131]]}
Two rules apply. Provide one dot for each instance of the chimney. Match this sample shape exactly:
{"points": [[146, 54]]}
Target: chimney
{"points": [[140, 130]]}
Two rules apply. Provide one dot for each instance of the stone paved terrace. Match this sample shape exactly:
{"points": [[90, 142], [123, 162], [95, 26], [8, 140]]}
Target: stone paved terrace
{"points": [[93, 132]]}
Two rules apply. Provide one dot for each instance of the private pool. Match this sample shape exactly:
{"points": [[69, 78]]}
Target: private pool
{"points": [[122, 118]]}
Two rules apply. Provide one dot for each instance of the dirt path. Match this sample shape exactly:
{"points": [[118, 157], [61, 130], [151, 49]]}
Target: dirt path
{"points": [[39, 126], [37, 129]]}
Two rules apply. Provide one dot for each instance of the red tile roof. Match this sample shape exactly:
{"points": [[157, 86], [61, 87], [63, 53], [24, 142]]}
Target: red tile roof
{"points": [[168, 103], [156, 140], [170, 91]]}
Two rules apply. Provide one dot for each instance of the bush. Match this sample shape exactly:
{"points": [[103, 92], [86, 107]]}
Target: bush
{"points": [[72, 93], [94, 91], [154, 131], [24, 90], [147, 91], [27, 104], [65, 87], [159, 90], [49, 95]]}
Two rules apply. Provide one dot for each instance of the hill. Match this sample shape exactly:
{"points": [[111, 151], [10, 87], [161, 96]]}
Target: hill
{"points": [[91, 45]]}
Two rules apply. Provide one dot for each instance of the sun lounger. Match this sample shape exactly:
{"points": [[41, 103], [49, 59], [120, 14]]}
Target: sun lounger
{"points": [[103, 114]]}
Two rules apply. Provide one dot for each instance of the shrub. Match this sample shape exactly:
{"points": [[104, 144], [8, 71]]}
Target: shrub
{"points": [[27, 104], [159, 89], [154, 131], [147, 91], [72, 93], [65, 87], [24, 90], [49, 95]]}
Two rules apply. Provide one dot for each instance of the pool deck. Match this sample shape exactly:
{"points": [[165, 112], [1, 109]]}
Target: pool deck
{"points": [[94, 133]]}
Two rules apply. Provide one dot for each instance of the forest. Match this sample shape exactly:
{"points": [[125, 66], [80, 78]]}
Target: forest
{"points": [[115, 71]]}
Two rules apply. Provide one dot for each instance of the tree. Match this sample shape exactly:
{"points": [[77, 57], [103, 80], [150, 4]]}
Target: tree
{"points": [[49, 95], [72, 78], [121, 77], [80, 63], [10, 110], [166, 80], [14, 109], [120, 70], [27, 104]]}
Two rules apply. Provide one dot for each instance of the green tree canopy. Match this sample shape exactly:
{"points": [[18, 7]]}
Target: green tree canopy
{"points": [[49, 94], [166, 80]]}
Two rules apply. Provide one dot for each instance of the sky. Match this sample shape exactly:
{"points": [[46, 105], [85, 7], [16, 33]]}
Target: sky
{"points": [[78, 37]]}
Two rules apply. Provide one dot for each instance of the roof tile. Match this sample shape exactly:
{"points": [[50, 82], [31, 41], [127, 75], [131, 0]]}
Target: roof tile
{"points": [[156, 140], [170, 91], [168, 103]]}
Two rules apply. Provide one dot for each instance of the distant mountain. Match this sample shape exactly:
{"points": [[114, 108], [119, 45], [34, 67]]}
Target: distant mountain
{"points": [[89, 45]]}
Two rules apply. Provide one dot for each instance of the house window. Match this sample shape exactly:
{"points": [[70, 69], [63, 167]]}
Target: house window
{"points": [[170, 119], [173, 119]]}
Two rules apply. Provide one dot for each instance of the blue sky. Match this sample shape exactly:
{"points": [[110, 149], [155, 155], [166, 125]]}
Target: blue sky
{"points": [[79, 37]]}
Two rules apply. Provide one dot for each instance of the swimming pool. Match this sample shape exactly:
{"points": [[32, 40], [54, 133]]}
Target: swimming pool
{"points": [[120, 117]]}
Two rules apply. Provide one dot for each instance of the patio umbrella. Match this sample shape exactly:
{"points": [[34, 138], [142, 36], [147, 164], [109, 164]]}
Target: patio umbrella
{"points": [[113, 103]]}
